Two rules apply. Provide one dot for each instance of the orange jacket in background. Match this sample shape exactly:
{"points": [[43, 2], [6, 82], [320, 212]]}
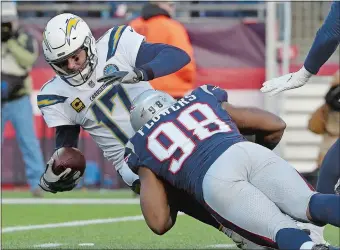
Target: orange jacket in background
{"points": [[162, 29]]}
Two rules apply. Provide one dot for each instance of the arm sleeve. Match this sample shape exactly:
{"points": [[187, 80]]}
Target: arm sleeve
{"points": [[67, 136], [326, 40], [157, 59]]}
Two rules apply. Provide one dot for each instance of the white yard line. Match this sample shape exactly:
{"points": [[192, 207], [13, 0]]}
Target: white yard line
{"points": [[47, 245], [86, 244], [73, 223], [68, 201]]}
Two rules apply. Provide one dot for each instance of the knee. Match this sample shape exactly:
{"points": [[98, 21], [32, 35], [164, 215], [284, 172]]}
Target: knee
{"points": [[159, 229], [160, 224]]}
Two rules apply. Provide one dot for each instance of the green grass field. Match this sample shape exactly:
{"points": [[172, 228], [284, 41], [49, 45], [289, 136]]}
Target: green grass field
{"points": [[107, 232]]}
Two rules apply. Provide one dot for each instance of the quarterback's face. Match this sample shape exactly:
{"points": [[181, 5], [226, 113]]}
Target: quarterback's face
{"points": [[74, 63], [77, 61]]}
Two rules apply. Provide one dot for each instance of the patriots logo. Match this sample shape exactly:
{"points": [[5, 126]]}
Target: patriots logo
{"points": [[71, 24]]}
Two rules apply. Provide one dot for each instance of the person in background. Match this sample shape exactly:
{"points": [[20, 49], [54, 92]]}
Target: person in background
{"points": [[157, 25], [326, 119], [19, 51]]}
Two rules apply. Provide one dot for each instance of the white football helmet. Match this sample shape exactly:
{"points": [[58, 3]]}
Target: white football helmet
{"points": [[63, 37]]}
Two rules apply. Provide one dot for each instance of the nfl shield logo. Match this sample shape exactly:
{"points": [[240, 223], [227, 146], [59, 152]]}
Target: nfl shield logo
{"points": [[91, 84]]}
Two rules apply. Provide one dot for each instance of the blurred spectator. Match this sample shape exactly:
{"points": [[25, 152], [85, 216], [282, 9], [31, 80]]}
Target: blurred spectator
{"points": [[18, 53], [157, 26], [37, 13], [226, 13], [195, 13], [326, 119]]}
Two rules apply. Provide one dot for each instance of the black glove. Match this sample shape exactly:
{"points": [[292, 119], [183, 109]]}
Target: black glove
{"points": [[53, 183]]}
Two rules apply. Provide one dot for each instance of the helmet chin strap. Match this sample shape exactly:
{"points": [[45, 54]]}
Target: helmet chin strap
{"points": [[82, 76]]}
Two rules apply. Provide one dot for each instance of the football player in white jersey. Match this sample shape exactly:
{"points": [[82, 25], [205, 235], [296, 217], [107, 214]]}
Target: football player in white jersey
{"points": [[76, 98], [83, 94]]}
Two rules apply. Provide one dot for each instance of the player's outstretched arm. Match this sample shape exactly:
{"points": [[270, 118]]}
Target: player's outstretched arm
{"points": [[152, 61], [157, 59], [267, 127], [154, 202], [325, 43]]}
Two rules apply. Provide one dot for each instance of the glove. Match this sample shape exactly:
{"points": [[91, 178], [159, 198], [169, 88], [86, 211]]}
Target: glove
{"points": [[285, 82], [65, 181], [133, 76]]}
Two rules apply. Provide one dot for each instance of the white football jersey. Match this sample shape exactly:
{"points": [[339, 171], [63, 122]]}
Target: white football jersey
{"points": [[100, 109]]}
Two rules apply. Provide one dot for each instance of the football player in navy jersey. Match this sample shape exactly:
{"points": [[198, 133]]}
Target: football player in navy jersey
{"points": [[195, 145]]}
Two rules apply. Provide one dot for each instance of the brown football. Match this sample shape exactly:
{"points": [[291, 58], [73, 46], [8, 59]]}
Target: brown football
{"points": [[68, 158]]}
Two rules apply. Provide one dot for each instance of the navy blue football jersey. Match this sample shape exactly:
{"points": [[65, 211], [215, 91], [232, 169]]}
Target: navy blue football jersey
{"points": [[181, 144]]}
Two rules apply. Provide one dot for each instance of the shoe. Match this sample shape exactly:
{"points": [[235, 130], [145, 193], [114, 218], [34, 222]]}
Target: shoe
{"points": [[314, 232]]}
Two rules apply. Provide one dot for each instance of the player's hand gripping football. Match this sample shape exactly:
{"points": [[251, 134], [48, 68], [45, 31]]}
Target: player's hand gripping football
{"points": [[286, 82], [132, 76], [65, 181]]}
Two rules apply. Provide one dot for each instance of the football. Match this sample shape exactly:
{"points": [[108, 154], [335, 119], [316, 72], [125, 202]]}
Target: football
{"points": [[68, 157]]}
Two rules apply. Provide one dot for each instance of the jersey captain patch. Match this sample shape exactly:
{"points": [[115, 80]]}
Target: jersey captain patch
{"points": [[77, 105]]}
